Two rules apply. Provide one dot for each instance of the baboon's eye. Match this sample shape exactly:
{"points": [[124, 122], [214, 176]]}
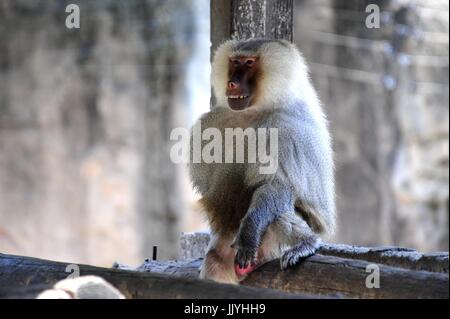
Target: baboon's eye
{"points": [[235, 61], [250, 62]]}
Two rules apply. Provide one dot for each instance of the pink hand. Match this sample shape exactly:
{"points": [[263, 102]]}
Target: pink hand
{"points": [[244, 271]]}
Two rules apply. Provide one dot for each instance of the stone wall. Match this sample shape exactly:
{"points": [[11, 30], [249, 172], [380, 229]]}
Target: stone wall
{"points": [[85, 117], [386, 93]]}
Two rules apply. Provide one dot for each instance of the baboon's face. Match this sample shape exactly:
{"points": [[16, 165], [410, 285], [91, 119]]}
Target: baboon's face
{"points": [[243, 76]]}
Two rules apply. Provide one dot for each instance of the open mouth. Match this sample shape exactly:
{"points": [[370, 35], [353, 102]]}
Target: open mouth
{"points": [[238, 102], [238, 97]]}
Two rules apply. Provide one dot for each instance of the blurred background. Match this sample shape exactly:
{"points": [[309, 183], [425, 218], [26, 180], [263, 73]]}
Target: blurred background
{"points": [[86, 115]]}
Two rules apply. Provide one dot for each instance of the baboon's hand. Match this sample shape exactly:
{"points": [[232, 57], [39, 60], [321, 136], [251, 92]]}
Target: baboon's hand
{"points": [[245, 252], [307, 247]]}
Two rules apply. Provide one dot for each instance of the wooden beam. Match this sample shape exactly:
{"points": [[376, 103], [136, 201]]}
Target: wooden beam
{"points": [[194, 245], [316, 276], [220, 21], [391, 256], [244, 19], [26, 277], [327, 275], [347, 277]]}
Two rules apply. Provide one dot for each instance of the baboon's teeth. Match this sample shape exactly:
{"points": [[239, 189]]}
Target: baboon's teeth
{"points": [[239, 97]]}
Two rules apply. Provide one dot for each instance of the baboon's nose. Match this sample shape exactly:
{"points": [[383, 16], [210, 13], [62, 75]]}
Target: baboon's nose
{"points": [[232, 85]]}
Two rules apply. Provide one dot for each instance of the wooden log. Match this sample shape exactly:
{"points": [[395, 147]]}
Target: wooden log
{"points": [[317, 275], [194, 245], [327, 275], [391, 256], [18, 273], [28, 292]]}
